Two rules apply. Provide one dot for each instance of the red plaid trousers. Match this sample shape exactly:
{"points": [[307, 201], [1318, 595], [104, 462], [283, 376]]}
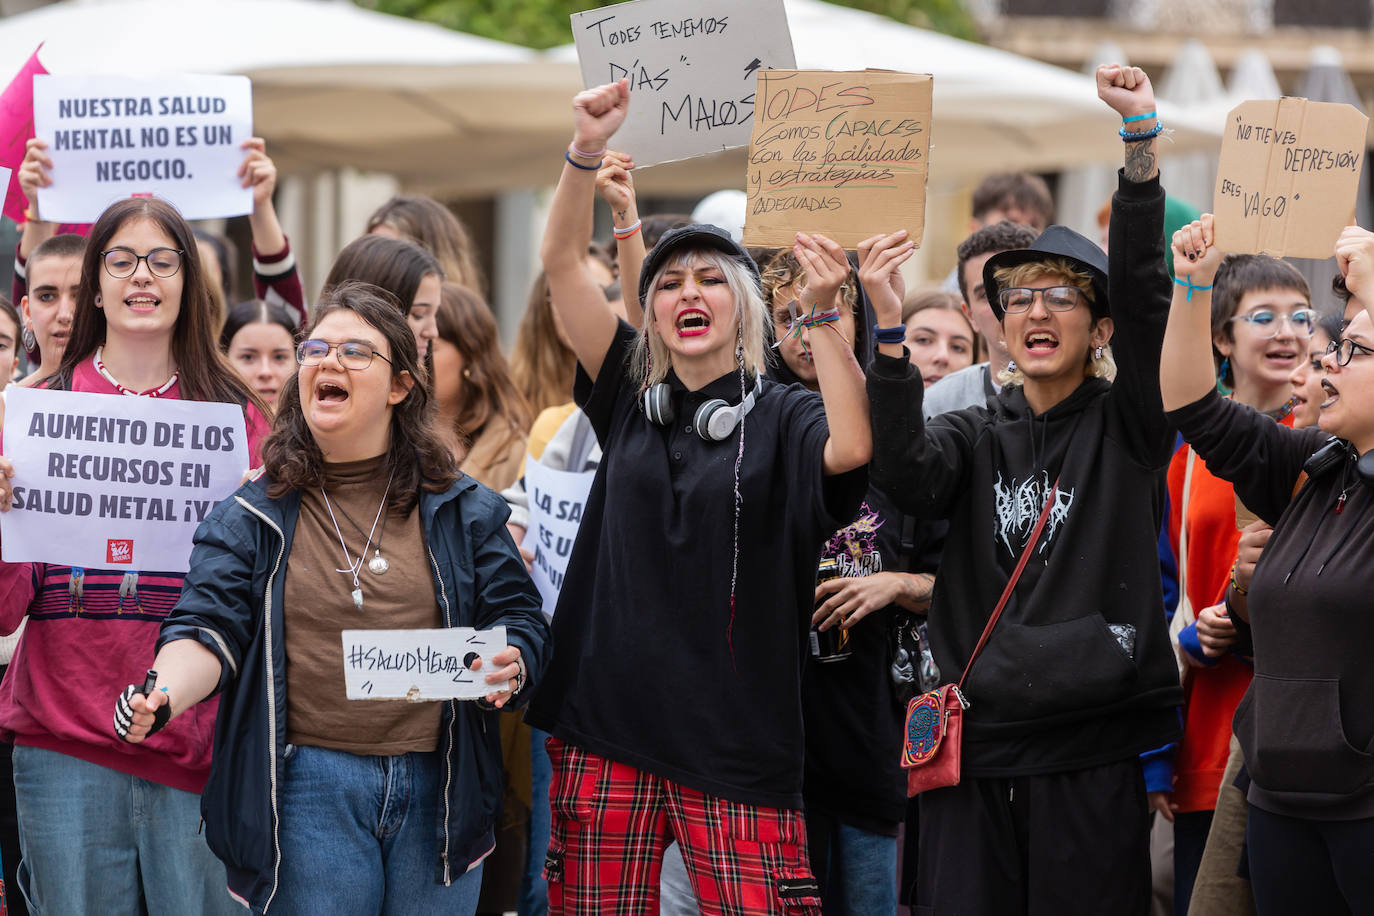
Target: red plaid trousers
{"points": [[611, 823]]}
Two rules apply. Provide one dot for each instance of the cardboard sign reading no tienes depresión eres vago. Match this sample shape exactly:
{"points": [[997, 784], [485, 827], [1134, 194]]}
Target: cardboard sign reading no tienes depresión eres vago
{"points": [[844, 154], [690, 68], [1288, 177]]}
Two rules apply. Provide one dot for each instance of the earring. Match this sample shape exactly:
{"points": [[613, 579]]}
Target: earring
{"points": [[30, 339], [99, 302], [1097, 354], [467, 373], [1225, 368], [1011, 365]]}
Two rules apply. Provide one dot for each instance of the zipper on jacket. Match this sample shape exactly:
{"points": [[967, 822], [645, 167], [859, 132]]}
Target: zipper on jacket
{"points": [[452, 717], [271, 699]]}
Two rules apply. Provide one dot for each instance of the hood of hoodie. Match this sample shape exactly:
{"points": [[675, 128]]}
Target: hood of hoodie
{"points": [[864, 320]]}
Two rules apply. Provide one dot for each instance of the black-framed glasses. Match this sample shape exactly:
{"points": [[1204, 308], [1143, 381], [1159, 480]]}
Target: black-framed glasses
{"points": [[121, 263], [352, 354], [1265, 323], [1018, 299], [1345, 350]]}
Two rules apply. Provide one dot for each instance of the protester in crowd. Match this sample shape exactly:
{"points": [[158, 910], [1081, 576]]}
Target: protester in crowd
{"points": [[1306, 723], [404, 270], [1307, 378], [143, 326], [377, 806], [481, 415], [260, 341], [220, 258], [435, 228], [54, 270], [1018, 197], [1262, 322], [1077, 678], [274, 266], [9, 341], [854, 790], [542, 361], [753, 488], [939, 336], [973, 386]]}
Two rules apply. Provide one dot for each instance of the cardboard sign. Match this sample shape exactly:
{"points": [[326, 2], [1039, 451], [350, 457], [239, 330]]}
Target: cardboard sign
{"points": [[840, 153], [690, 67], [107, 481], [16, 129], [557, 500], [419, 665], [175, 137], [1288, 177]]}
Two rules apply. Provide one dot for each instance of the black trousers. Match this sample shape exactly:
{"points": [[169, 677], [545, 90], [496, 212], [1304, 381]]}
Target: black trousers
{"points": [[1054, 845], [1305, 866]]}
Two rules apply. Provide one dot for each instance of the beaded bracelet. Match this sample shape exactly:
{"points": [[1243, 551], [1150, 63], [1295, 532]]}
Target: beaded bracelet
{"points": [[1236, 585], [1140, 117], [623, 234], [1150, 134], [578, 165], [1191, 286], [890, 335]]}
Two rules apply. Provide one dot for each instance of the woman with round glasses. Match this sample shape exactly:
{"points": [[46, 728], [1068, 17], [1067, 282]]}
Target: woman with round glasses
{"points": [[107, 827], [319, 803], [1306, 723], [1076, 679], [1262, 322]]}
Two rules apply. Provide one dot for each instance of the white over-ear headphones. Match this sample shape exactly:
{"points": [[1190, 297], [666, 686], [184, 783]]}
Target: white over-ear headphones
{"points": [[714, 421]]}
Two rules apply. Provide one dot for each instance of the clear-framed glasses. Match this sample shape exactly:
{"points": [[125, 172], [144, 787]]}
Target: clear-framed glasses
{"points": [[1345, 350], [352, 354], [1265, 323], [1056, 298], [121, 263]]}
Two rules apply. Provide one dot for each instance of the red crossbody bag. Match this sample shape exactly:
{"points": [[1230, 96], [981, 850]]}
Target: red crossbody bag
{"points": [[933, 744]]}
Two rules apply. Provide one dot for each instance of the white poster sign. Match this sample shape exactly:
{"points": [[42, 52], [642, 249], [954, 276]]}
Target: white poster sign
{"points": [[4, 180], [420, 665], [106, 481], [176, 137], [557, 500], [690, 66]]}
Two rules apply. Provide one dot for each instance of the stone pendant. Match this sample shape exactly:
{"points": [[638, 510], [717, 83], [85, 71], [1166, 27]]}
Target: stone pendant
{"points": [[358, 598]]}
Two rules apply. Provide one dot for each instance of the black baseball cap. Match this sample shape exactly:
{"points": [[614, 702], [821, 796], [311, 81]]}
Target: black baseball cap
{"points": [[697, 235], [1056, 242]]}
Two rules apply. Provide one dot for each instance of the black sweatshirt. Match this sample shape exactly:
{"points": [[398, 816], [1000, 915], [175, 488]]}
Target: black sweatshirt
{"points": [[1078, 671], [1306, 723]]}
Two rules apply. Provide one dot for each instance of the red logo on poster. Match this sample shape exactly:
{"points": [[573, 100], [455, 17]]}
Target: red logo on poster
{"points": [[119, 551]]}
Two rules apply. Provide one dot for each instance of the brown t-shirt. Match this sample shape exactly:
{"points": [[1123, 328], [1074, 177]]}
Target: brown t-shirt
{"points": [[319, 607]]}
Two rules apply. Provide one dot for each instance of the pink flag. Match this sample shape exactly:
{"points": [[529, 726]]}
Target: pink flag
{"points": [[16, 127]]}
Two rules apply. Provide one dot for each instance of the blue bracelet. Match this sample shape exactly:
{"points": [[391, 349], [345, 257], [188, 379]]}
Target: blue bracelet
{"points": [[1150, 134], [1133, 118], [895, 335], [1191, 286], [578, 165]]}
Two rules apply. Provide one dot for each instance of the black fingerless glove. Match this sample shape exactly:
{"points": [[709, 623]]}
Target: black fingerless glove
{"points": [[124, 713]]}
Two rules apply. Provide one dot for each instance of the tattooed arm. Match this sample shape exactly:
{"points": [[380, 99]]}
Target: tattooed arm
{"points": [[1128, 91]]}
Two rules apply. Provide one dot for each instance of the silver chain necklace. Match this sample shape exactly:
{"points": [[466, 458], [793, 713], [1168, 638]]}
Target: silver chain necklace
{"points": [[355, 566]]}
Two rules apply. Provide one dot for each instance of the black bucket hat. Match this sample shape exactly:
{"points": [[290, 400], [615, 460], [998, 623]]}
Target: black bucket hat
{"points": [[1060, 242], [697, 235]]}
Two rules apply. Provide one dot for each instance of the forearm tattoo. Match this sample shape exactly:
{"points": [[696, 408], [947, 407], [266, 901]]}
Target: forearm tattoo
{"points": [[1140, 161]]}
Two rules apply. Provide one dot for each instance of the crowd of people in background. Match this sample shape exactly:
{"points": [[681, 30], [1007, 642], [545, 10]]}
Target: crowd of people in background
{"points": [[810, 486]]}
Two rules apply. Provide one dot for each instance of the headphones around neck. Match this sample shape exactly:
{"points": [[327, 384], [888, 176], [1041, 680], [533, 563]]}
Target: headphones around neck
{"points": [[714, 420]]}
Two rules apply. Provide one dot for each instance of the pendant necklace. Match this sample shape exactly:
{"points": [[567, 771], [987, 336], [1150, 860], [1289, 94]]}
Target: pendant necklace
{"points": [[124, 389], [378, 565], [355, 566]]}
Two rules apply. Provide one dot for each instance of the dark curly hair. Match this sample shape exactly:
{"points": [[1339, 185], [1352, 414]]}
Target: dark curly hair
{"points": [[416, 456]]}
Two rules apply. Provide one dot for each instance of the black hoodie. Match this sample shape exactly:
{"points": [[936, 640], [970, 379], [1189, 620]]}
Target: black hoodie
{"points": [[1078, 671]]}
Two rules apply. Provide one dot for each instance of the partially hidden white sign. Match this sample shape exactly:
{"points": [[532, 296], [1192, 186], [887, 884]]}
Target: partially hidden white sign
{"points": [[691, 70], [420, 665], [107, 481], [557, 501], [177, 137], [4, 179]]}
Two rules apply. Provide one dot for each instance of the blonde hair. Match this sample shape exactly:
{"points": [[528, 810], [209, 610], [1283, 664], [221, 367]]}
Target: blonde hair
{"points": [[650, 360], [785, 270], [1103, 367]]}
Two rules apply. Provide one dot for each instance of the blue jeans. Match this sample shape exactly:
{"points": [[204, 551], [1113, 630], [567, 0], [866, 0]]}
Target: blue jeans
{"points": [[534, 890], [362, 835], [857, 869], [92, 837]]}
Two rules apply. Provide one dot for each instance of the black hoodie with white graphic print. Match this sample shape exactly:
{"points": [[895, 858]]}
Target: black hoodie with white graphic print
{"points": [[1078, 671]]}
